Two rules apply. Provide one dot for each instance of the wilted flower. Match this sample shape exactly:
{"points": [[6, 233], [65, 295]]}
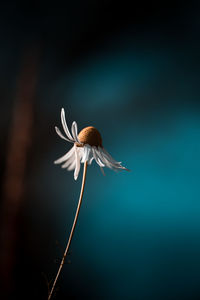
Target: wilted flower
{"points": [[87, 147]]}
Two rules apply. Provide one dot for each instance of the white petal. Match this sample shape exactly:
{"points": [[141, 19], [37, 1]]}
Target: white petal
{"points": [[72, 166], [112, 161], [83, 156], [103, 158], [90, 156], [61, 135], [80, 153], [75, 132], [90, 160], [86, 153], [109, 157], [77, 168], [68, 162], [99, 158], [64, 124], [108, 164], [109, 161], [96, 157], [65, 157]]}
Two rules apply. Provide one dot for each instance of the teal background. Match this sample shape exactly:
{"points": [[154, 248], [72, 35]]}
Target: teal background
{"points": [[135, 76]]}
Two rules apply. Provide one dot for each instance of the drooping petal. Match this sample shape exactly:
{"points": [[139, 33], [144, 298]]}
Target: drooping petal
{"points": [[113, 162], [106, 162], [90, 160], [109, 157], [75, 132], [65, 157], [72, 166], [99, 158], [96, 157], [83, 155], [64, 124], [77, 168], [103, 158], [110, 162], [80, 153], [86, 153], [90, 155], [69, 162], [61, 135]]}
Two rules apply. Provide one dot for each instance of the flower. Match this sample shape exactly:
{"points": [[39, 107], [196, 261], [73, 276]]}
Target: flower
{"points": [[87, 147]]}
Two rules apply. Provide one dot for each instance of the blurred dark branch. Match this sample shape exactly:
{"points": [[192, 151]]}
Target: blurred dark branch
{"points": [[19, 141]]}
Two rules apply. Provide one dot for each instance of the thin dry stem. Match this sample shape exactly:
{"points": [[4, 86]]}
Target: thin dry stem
{"points": [[72, 231]]}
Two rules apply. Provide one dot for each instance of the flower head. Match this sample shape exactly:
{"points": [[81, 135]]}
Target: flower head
{"points": [[87, 147]]}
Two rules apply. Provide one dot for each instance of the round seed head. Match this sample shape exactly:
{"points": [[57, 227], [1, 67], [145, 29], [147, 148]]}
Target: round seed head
{"points": [[90, 135]]}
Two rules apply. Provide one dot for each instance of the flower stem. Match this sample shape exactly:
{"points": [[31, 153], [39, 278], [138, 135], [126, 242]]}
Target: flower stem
{"points": [[72, 231]]}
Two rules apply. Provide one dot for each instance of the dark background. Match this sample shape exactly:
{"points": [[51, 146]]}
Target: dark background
{"points": [[132, 72]]}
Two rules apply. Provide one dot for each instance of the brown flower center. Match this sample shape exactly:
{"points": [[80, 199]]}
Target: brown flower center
{"points": [[90, 135]]}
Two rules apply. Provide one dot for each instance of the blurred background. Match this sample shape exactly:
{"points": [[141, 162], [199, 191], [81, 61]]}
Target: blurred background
{"points": [[132, 72]]}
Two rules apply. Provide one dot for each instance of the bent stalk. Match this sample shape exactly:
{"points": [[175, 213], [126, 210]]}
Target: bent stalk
{"points": [[72, 231]]}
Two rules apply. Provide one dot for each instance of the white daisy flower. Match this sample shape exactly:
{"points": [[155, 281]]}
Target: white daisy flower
{"points": [[87, 146]]}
